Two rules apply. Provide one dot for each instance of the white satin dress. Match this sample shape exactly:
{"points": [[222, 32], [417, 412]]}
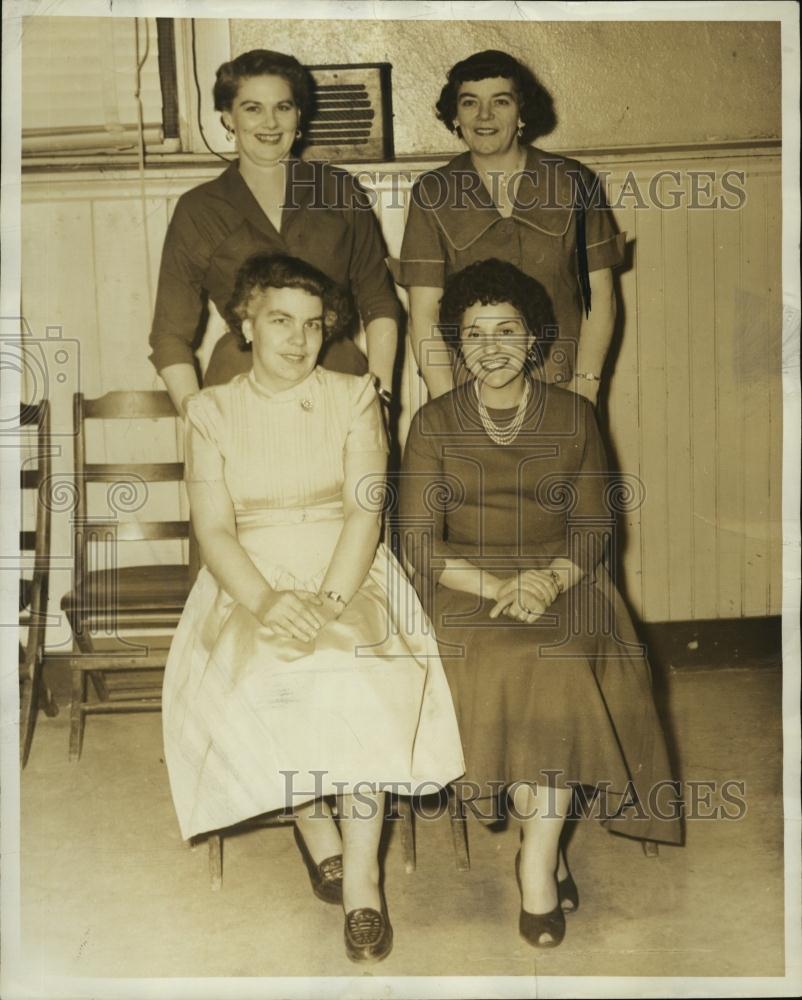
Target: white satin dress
{"points": [[254, 722]]}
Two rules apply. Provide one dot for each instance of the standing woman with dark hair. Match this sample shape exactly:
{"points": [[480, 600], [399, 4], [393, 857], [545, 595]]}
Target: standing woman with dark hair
{"points": [[506, 199], [268, 201], [302, 666]]}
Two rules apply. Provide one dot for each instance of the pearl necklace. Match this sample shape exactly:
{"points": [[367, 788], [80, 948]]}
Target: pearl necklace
{"points": [[508, 434]]}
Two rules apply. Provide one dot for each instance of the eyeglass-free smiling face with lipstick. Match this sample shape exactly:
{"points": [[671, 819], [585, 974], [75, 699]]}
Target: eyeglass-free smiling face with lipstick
{"points": [[494, 342], [264, 118], [488, 115]]}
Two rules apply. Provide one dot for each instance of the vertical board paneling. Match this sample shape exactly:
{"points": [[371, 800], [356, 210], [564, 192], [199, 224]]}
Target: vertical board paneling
{"points": [[754, 361], [703, 496], [679, 429], [773, 252], [623, 424], [730, 467], [652, 405]]}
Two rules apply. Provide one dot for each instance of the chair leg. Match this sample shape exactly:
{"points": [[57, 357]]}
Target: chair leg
{"points": [[27, 719], [216, 861], [83, 640], [407, 818], [77, 715], [459, 833], [650, 848], [47, 702]]}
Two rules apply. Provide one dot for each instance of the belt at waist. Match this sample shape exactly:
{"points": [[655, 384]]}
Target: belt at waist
{"points": [[260, 517]]}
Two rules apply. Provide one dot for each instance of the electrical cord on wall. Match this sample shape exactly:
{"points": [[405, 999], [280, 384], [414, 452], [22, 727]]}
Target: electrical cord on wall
{"points": [[225, 159], [140, 62]]}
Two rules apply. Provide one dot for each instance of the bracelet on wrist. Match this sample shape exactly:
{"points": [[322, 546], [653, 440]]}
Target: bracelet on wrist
{"points": [[335, 598], [588, 376]]}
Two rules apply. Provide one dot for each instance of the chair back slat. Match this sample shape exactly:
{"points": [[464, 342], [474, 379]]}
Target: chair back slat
{"points": [[123, 405], [151, 531], [27, 541], [122, 472]]}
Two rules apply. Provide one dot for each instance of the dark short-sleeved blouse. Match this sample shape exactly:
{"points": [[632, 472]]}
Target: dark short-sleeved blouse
{"points": [[327, 221], [453, 222]]}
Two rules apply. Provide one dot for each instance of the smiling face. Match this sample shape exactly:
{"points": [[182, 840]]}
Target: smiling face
{"points": [[264, 118], [487, 114], [494, 342], [286, 328]]}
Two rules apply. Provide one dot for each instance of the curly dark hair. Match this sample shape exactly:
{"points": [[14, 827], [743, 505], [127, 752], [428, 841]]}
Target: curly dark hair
{"points": [[490, 282], [263, 271], [535, 105], [264, 62]]}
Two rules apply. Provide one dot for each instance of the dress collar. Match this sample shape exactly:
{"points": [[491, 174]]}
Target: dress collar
{"points": [[299, 190], [465, 211], [302, 391]]}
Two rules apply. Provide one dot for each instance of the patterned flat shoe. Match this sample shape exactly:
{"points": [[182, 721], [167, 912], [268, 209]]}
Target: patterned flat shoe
{"points": [[368, 935], [326, 877]]}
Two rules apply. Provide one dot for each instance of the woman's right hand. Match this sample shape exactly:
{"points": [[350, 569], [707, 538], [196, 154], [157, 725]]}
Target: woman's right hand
{"points": [[515, 600], [292, 614]]}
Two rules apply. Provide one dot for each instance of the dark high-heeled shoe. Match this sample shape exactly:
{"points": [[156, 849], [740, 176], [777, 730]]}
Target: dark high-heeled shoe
{"points": [[568, 894], [326, 877], [541, 930], [368, 934]]}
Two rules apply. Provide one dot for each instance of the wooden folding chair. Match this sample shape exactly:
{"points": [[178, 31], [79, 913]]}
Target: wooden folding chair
{"points": [[122, 617], [401, 810], [33, 591]]}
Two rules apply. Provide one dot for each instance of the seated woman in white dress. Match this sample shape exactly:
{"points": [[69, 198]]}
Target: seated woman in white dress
{"points": [[302, 666]]}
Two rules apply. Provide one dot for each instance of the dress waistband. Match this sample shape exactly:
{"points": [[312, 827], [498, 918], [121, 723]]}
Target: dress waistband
{"points": [[259, 517]]}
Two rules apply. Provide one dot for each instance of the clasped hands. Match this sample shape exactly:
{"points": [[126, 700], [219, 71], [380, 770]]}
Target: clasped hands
{"points": [[297, 614], [526, 595]]}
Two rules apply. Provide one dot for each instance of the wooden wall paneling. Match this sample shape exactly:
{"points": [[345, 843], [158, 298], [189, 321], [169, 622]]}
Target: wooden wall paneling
{"points": [[58, 302], [679, 427], [730, 453], [623, 410], [703, 403], [649, 266], [773, 253], [754, 359], [125, 308]]}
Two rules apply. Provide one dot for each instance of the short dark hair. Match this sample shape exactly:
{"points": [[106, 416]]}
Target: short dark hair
{"points": [[263, 271], [490, 282], [264, 62], [535, 105]]}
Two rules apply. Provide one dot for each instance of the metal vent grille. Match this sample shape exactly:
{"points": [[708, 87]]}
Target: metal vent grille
{"points": [[352, 120]]}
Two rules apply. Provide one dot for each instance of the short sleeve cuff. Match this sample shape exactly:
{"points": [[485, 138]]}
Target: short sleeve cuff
{"points": [[608, 253], [417, 273], [170, 351]]}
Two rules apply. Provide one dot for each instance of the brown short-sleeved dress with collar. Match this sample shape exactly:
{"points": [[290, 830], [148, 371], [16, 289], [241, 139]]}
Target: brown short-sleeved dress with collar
{"points": [[327, 221], [453, 222]]}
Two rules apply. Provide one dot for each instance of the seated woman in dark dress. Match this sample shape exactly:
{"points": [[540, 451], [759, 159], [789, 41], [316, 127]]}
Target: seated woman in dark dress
{"points": [[505, 513]]}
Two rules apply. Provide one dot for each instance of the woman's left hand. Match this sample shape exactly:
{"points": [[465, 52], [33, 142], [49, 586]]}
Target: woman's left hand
{"points": [[542, 583], [516, 600]]}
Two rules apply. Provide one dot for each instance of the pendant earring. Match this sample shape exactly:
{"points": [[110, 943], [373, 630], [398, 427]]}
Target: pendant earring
{"points": [[457, 130], [298, 134], [521, 127], [229, 135]]}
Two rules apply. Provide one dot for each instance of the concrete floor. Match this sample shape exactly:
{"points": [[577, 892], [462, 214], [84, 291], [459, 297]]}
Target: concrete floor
{"points": [[109, 888]]}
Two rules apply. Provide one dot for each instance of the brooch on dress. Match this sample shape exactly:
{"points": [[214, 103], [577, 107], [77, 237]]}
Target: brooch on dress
{"points": [[306, 404]]}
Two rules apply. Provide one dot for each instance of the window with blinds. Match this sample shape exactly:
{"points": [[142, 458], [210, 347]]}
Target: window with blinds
{"points": [[90, 83]]}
